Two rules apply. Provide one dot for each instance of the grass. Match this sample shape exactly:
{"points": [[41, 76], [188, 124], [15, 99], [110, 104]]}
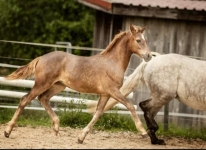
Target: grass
{"points": [[109, 122], [28, 117], [184, 132]]}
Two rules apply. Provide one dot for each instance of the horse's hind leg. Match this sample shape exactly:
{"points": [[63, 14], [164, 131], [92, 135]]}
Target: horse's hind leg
{"points": [[25, 100], [149, 113], [100, 107], [44, 100]]}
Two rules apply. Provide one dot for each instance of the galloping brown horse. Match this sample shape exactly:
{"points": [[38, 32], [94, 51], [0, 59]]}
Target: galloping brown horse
{"points": [[101, 74]]}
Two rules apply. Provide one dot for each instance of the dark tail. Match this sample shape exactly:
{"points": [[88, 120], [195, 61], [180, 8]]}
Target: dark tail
{"points": [[24, 71]]}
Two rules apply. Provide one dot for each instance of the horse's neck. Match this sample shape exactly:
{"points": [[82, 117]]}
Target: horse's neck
{"points": [[120, 53]]}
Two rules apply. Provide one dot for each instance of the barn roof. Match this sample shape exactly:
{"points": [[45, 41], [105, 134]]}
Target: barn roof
{"points": [[198, 5], [173, 9]]}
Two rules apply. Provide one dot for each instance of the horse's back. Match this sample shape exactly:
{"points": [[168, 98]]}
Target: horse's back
{"points": [[175, 65], [174, 75], [53, 60], [87, 74]]}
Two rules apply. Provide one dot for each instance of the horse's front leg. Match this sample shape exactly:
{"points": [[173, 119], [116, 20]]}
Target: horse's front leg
{"points": [[151, 123], [121, 98], [100, 107]]}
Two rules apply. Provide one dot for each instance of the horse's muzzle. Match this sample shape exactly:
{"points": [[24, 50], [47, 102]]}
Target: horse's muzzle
{"points": [[147, 57]]}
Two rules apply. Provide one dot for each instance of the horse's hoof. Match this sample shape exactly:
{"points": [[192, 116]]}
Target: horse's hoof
{"points": [[145, 135], [80, 141], [56, 132], [159, 142], [6, 134]]}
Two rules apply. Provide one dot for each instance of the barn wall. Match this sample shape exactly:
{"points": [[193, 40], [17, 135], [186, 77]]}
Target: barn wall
{"points": [[106, 27], [172, 36], [101, 30]]}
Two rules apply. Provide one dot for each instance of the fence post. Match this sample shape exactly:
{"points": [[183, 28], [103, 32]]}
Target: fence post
{"points": [[166, 107], [166, 115], [68, 50]]}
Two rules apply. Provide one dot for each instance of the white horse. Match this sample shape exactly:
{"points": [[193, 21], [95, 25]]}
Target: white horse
{"points": [[167, 77]]}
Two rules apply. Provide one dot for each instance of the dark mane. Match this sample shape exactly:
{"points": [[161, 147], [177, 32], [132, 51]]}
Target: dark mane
{"points": [[109, 47]]}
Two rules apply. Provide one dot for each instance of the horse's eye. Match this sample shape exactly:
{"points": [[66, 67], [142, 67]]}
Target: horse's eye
{"points": [[138, 41]]}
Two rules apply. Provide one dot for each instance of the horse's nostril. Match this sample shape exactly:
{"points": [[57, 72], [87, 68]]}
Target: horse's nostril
{"points": [[149, 56]]}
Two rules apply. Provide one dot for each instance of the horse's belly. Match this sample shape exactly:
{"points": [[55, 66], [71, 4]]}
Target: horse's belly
{"points": [[192, 96], [84, 87], [195, 103]]}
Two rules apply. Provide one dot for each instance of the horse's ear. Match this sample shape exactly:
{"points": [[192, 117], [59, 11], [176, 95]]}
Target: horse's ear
{"points": [[142, 30], [132, 29]]}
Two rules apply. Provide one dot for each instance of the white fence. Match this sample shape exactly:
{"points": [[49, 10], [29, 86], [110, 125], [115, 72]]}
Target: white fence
{"points": [[60, 99], [57, 99]]}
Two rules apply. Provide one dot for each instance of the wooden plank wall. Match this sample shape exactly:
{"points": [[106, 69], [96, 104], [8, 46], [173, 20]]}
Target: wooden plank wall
{"points": [[101, 30], [106, 27], [171, 36]]}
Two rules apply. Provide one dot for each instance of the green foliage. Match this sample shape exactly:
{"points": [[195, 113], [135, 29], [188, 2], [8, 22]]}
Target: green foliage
{"points": [[115, 122], [184, 132], [72, 114], [74, 118], [43, 21], [28, 117], [5, 115], [34, 118]]}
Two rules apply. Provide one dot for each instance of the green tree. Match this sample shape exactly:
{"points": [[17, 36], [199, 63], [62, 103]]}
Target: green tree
{"points": [[43, 21]]}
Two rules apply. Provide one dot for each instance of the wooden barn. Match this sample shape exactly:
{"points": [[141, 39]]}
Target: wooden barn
{"points": [[173, 26]]}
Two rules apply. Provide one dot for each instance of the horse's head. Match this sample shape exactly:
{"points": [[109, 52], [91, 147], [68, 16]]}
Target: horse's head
{"points": [[138, 43]]}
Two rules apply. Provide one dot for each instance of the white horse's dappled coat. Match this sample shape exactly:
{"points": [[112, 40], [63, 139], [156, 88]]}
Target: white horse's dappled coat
{"points": [[175, 76]]}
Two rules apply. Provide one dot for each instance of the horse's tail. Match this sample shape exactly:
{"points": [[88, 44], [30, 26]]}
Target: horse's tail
{"points": [[24, 71], [132, 81]]}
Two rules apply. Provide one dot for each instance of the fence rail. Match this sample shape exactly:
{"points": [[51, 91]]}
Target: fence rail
{"points": [[30, 84], [60, 99]]}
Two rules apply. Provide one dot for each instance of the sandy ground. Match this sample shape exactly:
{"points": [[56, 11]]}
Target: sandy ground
{"points": [[44, 138]]}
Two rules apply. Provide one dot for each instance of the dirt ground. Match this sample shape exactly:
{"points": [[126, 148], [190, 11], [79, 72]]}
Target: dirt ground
{"points": [[44, 138]]}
